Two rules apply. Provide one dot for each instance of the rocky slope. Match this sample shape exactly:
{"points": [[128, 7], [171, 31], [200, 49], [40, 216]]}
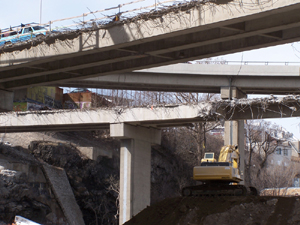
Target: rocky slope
{"points": [[94, 182], [24, 189]]}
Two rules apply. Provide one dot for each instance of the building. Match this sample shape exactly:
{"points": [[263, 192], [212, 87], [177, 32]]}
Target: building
{"points": [[287, 154], [82, 98], [38, 98]]}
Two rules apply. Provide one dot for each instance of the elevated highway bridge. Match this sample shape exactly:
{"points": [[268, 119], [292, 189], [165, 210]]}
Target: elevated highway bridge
{"points": [[138, 128], [203, 78], [150, 116], [196, 30]]}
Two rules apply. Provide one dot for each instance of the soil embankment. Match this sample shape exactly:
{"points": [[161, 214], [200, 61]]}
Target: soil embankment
{"points": [[252, 210]]}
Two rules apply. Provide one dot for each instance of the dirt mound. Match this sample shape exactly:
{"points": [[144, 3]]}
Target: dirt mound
{"points": [[252, 210]]}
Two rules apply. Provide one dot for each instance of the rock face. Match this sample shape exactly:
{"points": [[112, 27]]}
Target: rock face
{"points": [[251, 210], [94, 183], [24, 189], [168, 174]]}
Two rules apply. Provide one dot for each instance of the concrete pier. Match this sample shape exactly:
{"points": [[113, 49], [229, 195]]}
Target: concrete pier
{"points": [[6, 100], [135, 167], [234, 130]]}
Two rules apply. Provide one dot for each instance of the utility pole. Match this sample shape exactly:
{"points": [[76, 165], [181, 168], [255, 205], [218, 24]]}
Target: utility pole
{"points": [[41, 3]]}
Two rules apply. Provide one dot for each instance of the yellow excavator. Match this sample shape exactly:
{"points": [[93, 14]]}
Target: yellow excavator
{"points": [[219, 178]]}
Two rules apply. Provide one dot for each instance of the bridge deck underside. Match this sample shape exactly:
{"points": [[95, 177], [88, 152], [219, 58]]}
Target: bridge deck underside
{"points": [[173, 82], [259, 30]]}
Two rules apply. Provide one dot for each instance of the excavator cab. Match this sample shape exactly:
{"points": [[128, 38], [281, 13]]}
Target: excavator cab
{"points": [[224, 170], [209, 157]]}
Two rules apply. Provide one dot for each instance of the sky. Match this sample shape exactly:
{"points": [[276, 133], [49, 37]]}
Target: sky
{"points": [[15, 12], [279, 55]]}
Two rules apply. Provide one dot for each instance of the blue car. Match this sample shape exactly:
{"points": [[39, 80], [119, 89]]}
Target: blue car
{"points": [[22, 33]]}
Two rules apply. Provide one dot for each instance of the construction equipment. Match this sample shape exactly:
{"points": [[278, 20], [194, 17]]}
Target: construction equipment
{"points": [[219, 177]]}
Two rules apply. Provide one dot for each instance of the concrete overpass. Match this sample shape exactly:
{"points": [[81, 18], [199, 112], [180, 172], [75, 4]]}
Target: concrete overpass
{"points": [[201, 78], [139, 127], [186, 32], [150, 116], [249, 79]]}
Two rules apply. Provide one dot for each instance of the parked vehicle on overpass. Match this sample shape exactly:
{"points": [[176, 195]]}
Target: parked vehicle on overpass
{"points": [[21, 33]]}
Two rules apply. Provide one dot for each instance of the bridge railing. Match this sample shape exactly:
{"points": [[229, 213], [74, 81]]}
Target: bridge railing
{"points": [[266, 63], [85, 21]]}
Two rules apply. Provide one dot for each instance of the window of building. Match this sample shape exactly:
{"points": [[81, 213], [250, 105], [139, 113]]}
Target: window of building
{"points": [[296, 182], [278, 151], [285, 152]]}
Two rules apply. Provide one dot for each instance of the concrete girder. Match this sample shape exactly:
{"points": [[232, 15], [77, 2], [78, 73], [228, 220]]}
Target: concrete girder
{"points": [[55, 127], [137, 63], [230, 46], [172, 81], [201, 32], [73, 64], [262, 26]]}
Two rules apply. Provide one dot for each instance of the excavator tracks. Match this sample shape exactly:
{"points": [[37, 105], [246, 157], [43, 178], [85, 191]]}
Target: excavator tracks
{"points": [[209, 190]]}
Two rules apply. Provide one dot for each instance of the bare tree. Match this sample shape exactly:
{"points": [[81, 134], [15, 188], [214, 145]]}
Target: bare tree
{"points": [[277, 176], [261, 141]]}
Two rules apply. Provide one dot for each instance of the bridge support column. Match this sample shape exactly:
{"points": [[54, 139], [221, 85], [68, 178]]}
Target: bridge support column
{"points": [[135, 167], [234, 130], [6, 100]]}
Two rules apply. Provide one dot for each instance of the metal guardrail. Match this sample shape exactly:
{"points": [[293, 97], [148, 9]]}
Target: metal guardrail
{"points": [[267, 63]]}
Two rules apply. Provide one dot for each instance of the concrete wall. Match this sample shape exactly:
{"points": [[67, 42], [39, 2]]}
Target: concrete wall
{"points": [[94, 152]]}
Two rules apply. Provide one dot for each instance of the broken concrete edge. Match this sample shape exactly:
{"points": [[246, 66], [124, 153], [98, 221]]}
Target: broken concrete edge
{"points": [[70, 219], [92, 26], [207, 105]]}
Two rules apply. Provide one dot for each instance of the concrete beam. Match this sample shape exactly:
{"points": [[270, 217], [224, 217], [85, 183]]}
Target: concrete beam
{"points": [[231, 92], [6, 100], [127, 131], [135, 167], [201, 78]]}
